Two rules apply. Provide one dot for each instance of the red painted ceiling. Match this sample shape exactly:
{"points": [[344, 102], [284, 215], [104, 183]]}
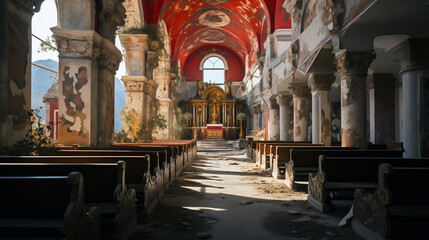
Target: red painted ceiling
{"points": [[239, 25]]}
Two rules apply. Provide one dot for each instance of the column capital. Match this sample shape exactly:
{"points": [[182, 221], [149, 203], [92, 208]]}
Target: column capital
{"points": [[283, 100], [134, 83], [272, 103], [321, 80], [110, 56], [299, 90], [412, 54], [77, 43], [352, 63], [134, 41]]}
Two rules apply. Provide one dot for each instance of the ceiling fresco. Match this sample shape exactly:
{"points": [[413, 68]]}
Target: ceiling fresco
{"points": [[239, 25]]}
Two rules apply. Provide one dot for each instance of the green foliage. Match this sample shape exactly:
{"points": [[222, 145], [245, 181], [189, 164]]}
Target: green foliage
{"points": [[36, 141], [153, 32], [241, 116], [179, 125], [47, 45], [187, 116], [135, 130]]}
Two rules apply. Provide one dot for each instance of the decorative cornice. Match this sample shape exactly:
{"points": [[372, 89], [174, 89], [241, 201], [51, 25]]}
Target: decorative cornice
{"points": [[77, 43]]}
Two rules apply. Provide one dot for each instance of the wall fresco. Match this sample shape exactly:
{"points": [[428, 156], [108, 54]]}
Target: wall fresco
{"points": [[74, 103]]}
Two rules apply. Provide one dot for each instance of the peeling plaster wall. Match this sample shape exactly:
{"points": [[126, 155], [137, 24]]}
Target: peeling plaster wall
{"points": [[192, 71], [19, 72], [77, 119]]}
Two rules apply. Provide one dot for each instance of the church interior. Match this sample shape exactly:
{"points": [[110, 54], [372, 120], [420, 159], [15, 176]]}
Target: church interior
{"points": [[243, 119]]}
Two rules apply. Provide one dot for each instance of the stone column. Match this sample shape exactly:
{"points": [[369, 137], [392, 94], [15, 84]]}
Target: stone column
{"points": [[135, 46], [108, 64], [320, 84], [413, 56], [110, 16], [274, 123], [15, 69], [78, 85], [353, 69], [381, 91], [283, 101], [301, 101]]}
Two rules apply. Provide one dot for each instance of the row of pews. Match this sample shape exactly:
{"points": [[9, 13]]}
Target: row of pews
{"points": [[388, 192], [87, 192]]}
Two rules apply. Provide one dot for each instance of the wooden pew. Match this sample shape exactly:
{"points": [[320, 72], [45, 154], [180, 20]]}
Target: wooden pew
{"points": [[260, 148], [158, 163], [270, 151], [254, 148], [46, 207], [139, 176], [399, 207], [302, 162], [338, 177], [171, 153], [178, 152], [282, 156]]}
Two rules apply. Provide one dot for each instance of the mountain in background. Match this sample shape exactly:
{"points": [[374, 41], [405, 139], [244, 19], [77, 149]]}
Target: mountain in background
{"points": [[41, 81]]}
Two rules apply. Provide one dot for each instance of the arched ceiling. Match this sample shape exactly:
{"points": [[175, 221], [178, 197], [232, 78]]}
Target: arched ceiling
{"points": [[239, 25]]}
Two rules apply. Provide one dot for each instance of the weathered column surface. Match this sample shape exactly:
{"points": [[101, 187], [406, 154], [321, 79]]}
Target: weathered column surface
{"points": [[78, 85], [274, 120], [283, 101], [135, 46], [353, 69], [301, 111], [413, 55], [320, 84]]}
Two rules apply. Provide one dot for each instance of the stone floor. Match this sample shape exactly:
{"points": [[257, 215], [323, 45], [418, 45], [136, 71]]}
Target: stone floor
{"points": [[223, 195]]}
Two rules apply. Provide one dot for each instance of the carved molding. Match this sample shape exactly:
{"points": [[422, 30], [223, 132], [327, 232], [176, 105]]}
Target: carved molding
{"points": [[283, 100], [330, 16], [290, 174], [113, 11], [110, 56], [321, 80], [77, 43], [134, 83], [134, 14], [293, 7], [354, 63], [79, 224], [126, 218], [292, 55], [300, 90], [370, 211], [315, 186]]}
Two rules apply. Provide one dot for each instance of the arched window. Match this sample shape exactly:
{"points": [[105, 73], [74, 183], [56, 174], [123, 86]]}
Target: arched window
{"points": [[214, 67]]}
